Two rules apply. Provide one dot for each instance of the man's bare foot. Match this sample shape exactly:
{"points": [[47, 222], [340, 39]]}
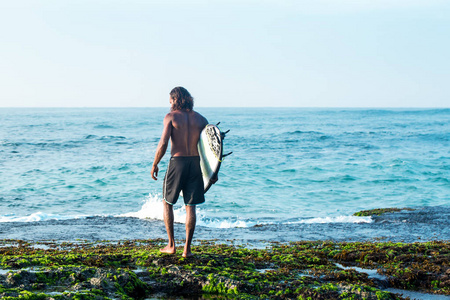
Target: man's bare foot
{"points": [[189, 254], [168, 250]]}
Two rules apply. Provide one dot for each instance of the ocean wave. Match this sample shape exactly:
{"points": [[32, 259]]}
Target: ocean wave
{"points": [[338, 219], [152, 208], [104, 137], [45, 144], [103, 126], [36, 217], [303, 132], [112, 137]]}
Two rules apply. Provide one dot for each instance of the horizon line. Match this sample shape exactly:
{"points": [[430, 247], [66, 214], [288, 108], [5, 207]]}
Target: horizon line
{"points": [[251, 107]]}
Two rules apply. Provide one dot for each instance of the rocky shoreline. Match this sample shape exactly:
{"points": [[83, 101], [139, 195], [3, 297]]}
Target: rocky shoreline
{"points": [[299, 270]]}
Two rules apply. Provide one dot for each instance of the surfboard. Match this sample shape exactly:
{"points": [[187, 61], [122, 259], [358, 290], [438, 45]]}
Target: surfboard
{"points": [[210, 149]]}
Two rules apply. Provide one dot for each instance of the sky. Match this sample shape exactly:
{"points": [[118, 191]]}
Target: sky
{"points": [[235, 53]]}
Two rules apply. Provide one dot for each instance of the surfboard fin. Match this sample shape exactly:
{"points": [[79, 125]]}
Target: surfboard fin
{"points": [[222, 134], [225, 155]]}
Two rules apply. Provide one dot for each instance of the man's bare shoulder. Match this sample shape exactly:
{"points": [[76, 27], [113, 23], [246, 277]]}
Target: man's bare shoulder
{"points": [[170, 114], [200, 118], [169, 118], [173, 114]]}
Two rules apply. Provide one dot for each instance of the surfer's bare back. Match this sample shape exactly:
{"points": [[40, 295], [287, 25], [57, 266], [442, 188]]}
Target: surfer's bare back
{"points": [[182, 126]]}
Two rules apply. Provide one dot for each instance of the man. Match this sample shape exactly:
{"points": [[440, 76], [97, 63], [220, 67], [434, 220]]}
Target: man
{"points": [[183, 127]]}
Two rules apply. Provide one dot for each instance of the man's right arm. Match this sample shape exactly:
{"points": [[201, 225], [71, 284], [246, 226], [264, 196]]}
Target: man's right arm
{"points": [[162, 145]]}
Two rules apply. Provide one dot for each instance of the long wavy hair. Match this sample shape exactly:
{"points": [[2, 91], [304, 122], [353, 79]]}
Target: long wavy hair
{"points": [[182, 100]]}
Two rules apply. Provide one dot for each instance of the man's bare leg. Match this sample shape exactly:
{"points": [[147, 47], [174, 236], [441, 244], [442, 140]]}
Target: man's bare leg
{"points": [[190, 227], [168, 221]]}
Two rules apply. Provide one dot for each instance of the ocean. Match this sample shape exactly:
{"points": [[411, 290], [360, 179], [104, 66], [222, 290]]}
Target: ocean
{"points": [[295, 174]]}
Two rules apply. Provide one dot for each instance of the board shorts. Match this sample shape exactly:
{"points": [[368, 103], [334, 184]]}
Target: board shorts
{"points": [[184, 174]]}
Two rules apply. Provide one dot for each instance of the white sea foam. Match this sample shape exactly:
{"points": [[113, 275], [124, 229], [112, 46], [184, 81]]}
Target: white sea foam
{"points": [[338, 219], [152, 208], [35, 217], [226, 223]]}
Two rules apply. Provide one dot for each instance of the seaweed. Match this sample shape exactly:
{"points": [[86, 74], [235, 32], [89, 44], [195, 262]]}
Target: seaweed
{"points": [[380, 211], [135, 269]]}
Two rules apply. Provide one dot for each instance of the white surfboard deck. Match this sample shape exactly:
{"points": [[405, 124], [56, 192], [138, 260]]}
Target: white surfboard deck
{"points": [[210, 149]]}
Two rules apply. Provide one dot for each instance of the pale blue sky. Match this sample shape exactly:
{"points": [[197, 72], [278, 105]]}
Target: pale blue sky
{"points": [[317, 53]]}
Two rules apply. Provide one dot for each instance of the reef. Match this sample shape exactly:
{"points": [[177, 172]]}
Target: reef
{"points": [[135, 269], [380, 211]]}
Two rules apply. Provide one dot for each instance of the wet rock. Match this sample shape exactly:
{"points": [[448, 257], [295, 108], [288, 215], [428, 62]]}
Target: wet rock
{"points": [[20, 278], [96, 282], [173, 270], [101, 280], [9, 294], [81, 286]]}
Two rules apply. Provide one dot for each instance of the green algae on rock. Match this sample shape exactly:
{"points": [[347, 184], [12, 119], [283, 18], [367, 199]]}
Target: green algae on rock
{"points": [[379, 211], [301, 270]]}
